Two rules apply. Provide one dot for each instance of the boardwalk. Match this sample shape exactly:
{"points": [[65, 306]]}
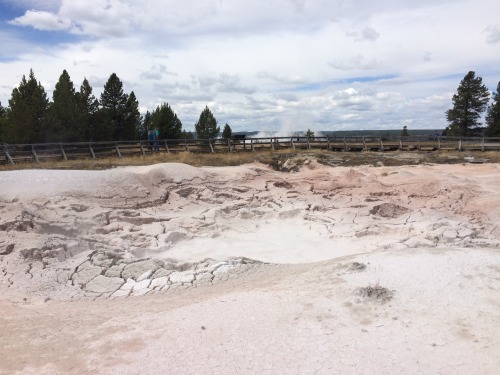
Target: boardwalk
{"points": [[15, 153]]}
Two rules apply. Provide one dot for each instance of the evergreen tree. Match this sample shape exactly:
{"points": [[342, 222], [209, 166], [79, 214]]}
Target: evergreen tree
{"points": [[227, 132], [3, 119], [206, 127], [28, 107], [404, 132], [89, 107], [164, 118], [469, 102], [114, 107], [187, 135], [64, 116], [309, 134], [132, 118], [144, 126], [493, 115]]}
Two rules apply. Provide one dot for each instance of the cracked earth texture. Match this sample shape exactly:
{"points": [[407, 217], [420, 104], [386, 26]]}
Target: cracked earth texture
{"points": [[175, 269]]}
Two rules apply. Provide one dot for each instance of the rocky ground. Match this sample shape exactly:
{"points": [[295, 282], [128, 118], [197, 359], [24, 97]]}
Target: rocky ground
{"points": [[179, 238]]}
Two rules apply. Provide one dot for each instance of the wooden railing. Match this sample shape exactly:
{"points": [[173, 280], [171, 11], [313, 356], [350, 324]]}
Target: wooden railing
{"points": [[15, 153]]}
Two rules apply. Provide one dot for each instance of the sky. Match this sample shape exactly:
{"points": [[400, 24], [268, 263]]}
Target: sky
{"points": [[274, 65]]}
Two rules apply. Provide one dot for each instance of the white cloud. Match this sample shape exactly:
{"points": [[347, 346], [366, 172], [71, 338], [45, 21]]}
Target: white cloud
{"points": [[493, 34], [156, 73], [99, 17], [369, 34], [42, 20], [358, 62], [274, 64], [281, 78]]}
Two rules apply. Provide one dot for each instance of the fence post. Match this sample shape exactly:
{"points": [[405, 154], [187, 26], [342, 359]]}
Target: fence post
{"points": [[166, 147], [381, 145], [62, 152], [328, 142], [9, 158], [460, 144], [251, 144], [228, 145], [293, 144], [345, 145], [272, 143], [364, 144], [118, 150], [419, 146], [482, 145], [186, 144], [400, 144], [142, 149], [91, 150], [35, 156], [439, 143], [210, 143]]}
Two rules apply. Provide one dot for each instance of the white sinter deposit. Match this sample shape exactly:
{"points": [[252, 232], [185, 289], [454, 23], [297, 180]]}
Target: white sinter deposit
{"points": [[171, 269]]}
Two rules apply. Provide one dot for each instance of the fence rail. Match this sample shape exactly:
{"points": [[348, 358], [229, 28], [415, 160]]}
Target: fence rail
{"points": [[37, 152]]}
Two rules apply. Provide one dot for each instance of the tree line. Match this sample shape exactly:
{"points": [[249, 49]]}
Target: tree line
{"points": [[77, 115]]}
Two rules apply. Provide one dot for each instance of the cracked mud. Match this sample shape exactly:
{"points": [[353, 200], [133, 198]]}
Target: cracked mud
{"points": [[334, 260]]}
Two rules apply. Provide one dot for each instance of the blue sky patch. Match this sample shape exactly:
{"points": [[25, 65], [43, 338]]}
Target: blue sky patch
{"points": [[313, 86]]}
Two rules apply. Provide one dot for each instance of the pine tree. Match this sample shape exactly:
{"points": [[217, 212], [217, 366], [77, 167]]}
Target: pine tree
{"points": [[309, 134], [404, 132], [3, 120], [64, 116], [145, 126], [227, 132], [187, 135], [206, 127], [167, 122], [89, 107], [28, 107], [493, 115], [469, 102], [133, 118], [114, 107]]}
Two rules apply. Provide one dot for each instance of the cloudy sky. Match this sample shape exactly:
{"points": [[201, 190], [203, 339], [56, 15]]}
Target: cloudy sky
{"points": [[262, 65]]}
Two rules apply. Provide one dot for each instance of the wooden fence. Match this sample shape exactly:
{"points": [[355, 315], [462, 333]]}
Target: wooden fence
{"points": [[15, 153]]}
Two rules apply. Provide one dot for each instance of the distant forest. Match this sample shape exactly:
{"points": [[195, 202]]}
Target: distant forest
{"points": [[77, 115]]}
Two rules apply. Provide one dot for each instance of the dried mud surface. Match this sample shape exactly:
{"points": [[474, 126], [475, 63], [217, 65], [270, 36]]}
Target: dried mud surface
{"points": [[309, 268]]}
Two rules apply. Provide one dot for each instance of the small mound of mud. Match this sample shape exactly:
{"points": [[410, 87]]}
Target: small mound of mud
{"points": [[389, 210], [186, 192], [9, 249], [375, 292], [283, 184]]}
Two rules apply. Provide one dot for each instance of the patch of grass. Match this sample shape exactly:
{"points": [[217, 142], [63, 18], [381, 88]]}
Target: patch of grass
{"points": [[194, 159], [375, 292], [357, 266], [274, 158]]}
